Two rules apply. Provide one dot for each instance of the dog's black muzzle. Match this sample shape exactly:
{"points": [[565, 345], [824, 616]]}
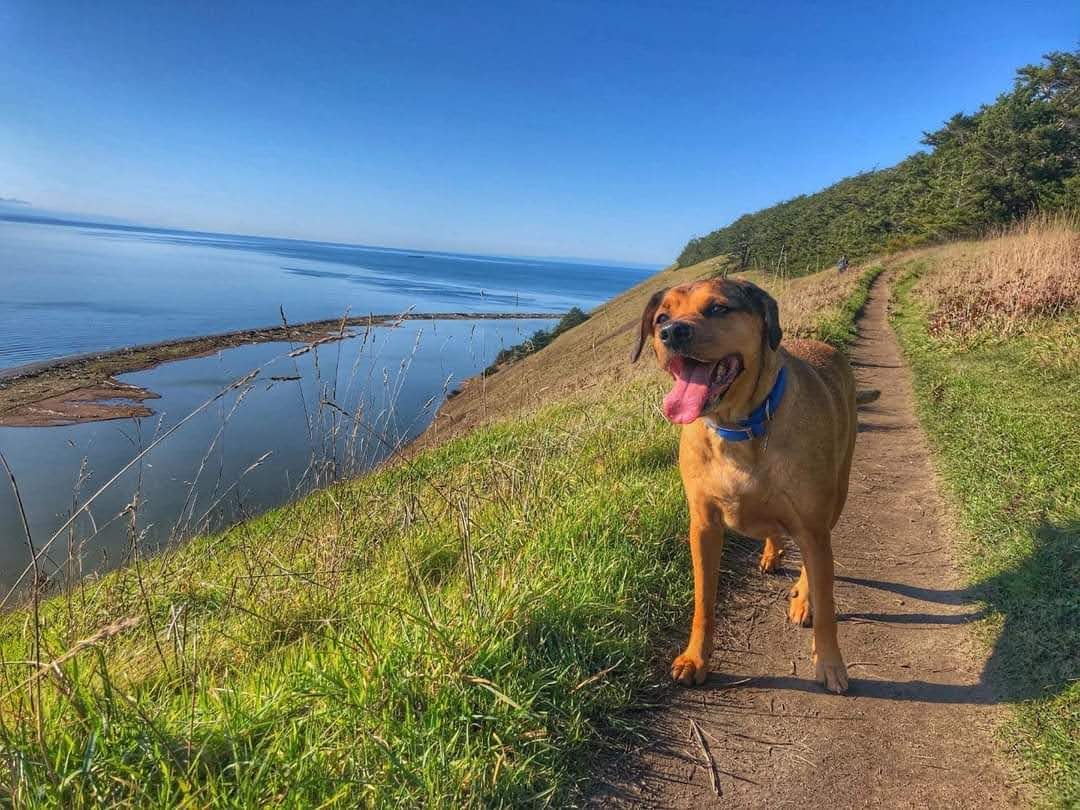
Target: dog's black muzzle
{"points": [[676, 335]]}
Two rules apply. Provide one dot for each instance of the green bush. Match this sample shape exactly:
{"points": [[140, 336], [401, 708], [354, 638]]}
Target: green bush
{"points": [[540, 338]]}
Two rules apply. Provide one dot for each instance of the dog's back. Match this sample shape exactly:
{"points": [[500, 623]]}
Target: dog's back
{"points": [[829, 363], [828, 372]]}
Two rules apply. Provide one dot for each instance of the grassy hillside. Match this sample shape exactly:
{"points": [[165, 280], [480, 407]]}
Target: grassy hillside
{"points": [[460, 628], [594, 357], [466, 626], [1019, 154], [992, 331]]}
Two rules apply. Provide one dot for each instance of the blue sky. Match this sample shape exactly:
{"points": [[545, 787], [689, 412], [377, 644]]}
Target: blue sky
{"points": [[606, 130]]}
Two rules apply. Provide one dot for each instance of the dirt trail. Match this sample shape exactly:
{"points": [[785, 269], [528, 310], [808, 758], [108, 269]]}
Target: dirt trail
{"points": [[916, 729]]}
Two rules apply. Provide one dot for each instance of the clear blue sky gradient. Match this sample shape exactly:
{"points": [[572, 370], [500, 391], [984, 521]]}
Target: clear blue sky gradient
{"points": [[612, 130]]}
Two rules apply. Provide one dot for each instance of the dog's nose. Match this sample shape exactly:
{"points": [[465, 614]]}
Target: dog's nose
{"points": [[675, 333]]}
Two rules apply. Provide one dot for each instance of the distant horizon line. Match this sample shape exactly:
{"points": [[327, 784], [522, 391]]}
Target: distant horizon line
{"points": [[45, 216]]}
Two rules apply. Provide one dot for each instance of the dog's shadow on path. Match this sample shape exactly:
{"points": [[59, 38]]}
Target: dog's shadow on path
{"points": [[1036, 653]]}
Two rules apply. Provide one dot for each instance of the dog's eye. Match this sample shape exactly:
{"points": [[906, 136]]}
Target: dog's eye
{"points": [[663, 316], [715, 309]]}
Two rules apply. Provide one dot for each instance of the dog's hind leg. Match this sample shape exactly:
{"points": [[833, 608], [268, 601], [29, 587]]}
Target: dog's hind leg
{"points": [[800, 610], [770, 556], [829, 667]]}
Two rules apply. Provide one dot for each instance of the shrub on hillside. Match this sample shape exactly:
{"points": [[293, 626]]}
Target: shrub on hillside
{"points": [[539, 339]]}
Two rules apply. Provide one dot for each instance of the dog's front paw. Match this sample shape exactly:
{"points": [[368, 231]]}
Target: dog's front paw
{"points": [[689, 669], [831, 674]]}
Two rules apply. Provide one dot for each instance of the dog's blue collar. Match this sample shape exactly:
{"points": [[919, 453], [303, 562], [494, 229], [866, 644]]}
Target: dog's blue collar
{"points": [[756, 424]]}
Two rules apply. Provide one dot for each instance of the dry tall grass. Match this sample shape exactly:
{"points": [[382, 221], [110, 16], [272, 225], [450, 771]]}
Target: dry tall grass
{"points": [[1028, 273], [803, 300]]}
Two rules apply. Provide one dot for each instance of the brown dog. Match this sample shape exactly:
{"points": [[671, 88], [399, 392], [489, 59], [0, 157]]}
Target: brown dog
{"points": [[783, 474]]}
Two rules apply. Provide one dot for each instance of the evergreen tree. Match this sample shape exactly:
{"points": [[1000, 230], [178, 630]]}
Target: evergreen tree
{"points": [[1012, 157]]}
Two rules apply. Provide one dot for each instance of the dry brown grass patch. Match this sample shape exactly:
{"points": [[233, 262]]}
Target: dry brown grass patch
{"points": [[803, 300], [1006, 283]]}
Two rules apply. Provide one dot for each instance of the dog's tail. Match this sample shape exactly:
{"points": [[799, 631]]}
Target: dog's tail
{"points": [[865, 396]]}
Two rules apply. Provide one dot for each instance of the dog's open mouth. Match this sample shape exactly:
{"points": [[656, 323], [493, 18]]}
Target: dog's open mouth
{"points": [[697, 384]]}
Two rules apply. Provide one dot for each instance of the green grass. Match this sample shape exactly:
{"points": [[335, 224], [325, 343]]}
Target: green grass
{"points": [[362, 647], [465, 628], [1004, 420], [838, 326]]}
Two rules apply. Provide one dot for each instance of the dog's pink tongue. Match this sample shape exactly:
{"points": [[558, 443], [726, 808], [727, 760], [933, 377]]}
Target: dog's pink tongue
{"points": [[683, 405]]}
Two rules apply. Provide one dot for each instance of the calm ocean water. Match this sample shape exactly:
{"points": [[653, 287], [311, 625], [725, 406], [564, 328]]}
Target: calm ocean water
{"points": [[73, 289]]}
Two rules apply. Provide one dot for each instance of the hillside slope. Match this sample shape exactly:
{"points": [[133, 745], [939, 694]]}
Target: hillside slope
{"points": [[470, 625], [464, 627], [595, 355]]}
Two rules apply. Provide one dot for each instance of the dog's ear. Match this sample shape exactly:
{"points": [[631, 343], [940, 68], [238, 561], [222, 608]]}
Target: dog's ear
{"points": [[647, 323], [766, 306]]}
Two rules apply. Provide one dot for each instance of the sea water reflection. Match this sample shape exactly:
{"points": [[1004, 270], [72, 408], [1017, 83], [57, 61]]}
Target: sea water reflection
{"points": [[297, 423]]}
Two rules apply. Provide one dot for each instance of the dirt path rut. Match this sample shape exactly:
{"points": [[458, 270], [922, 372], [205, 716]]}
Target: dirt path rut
{"points": [[916, 729]]}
